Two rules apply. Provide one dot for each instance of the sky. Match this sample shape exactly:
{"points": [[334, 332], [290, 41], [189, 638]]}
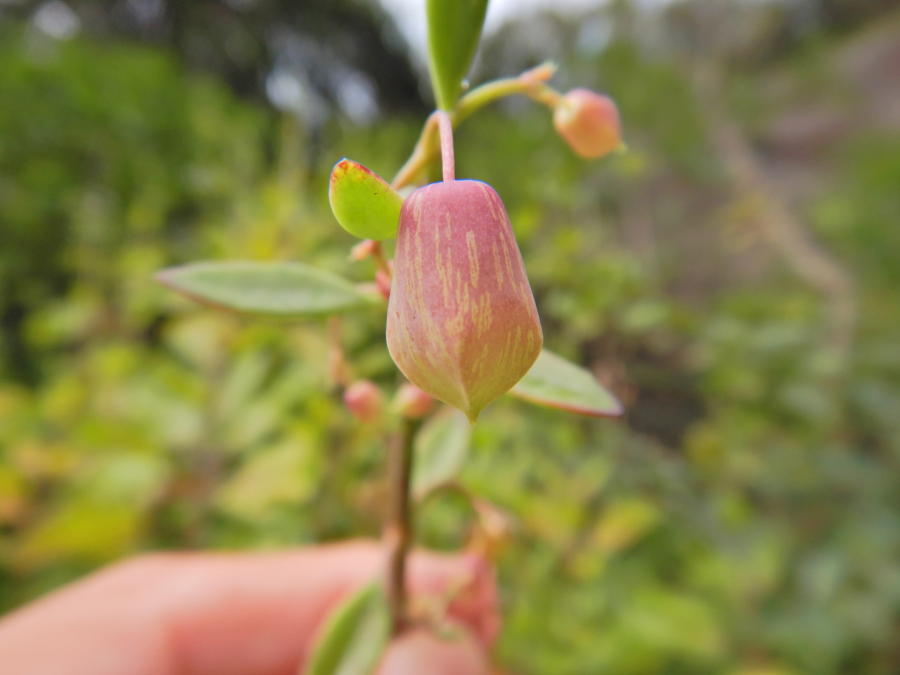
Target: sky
{"points": [[410, 14]]}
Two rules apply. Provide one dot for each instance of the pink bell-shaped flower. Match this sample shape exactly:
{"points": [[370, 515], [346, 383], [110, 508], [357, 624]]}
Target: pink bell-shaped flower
{"points": [[462, 323]]}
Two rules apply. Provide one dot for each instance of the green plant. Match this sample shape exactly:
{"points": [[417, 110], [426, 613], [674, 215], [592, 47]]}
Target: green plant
{"points": [[462, 324]]}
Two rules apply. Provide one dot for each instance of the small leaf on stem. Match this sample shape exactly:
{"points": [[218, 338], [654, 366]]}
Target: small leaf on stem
{"points": [[354, 637], [274, 290], [557, 383], [363, 202]]}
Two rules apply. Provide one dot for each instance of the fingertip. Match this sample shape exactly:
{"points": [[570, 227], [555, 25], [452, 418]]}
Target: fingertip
{"points": [[422, 651]]}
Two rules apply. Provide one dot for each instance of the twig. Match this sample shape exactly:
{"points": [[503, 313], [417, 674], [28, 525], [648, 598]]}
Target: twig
{"points": [[531, 83], [399, 529]]}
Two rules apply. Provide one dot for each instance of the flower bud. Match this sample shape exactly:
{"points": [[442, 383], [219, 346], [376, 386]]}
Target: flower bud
{"points": [[411, 402], [589, 122], [364, 400], [462, 323]]}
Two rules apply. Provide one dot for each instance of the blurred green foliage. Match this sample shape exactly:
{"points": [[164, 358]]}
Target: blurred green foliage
{"points": [[745, 519]]}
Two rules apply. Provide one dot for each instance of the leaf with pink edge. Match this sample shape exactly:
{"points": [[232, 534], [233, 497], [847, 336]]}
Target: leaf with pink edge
{"points": [[363, 202]]}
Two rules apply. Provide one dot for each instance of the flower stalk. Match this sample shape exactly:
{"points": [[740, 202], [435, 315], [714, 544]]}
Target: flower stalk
{"points": [[531, 83], [399, 530], [436, 138]]}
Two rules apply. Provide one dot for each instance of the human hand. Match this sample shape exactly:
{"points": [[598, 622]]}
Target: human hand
{"points": [[235, 614]]}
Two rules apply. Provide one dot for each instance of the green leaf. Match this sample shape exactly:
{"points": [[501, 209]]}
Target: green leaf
{"points": [[363, 202], [557, 383], [277, 290], [354, 636], [454, 27], [440, 449]]}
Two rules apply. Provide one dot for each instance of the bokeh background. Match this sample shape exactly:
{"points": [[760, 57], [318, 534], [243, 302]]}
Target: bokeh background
{"points": [[733, 278]]}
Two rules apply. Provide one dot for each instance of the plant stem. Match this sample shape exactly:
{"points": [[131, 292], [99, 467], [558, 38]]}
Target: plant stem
{"points": [[380, 260], [448, 161], [399, 530], [532, 83], [422, 153], [338, 368], [436, 136]]}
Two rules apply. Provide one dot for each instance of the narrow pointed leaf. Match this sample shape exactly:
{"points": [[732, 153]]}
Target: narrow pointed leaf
{"points": [[454, 28], [275, 290], [440, 450], [363, 202], [354, 637], [557, 383]]}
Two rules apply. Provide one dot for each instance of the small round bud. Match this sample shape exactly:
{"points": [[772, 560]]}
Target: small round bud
{"points": [[364, 400], [589, 123], [411, 402]]}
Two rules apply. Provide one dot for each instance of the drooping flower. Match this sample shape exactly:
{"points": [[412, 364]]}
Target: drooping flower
{"points": [[462, 323]]}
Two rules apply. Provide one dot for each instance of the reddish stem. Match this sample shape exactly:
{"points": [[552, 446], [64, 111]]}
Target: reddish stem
{"points": [[380, 260], [399, 530], [448, 161]]}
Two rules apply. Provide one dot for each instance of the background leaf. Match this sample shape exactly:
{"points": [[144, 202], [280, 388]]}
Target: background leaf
{"points": [[441, 448], [363, 202], [281, 290], [454, 28], [354, 636], [557, 383]]}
